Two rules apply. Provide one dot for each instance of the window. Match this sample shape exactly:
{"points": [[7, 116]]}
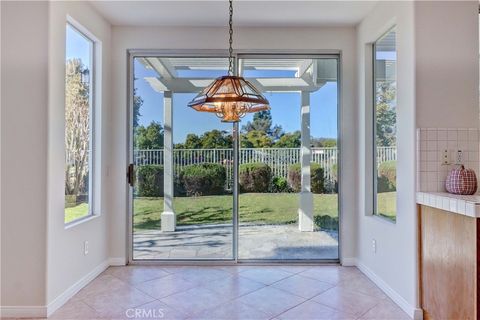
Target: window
{"points": [[385, 124], [78, 124]]}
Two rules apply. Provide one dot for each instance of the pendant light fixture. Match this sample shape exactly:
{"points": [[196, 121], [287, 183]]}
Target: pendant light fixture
{"points": [[230, 97]]}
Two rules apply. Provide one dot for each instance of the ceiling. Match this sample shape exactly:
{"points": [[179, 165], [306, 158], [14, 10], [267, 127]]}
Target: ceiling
{"points": [[246, 13]]}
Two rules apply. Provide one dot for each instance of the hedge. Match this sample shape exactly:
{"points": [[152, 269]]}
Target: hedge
{"points": [[254, 177], [203, 179], [387, 176], [317, 178], [149, 181]]}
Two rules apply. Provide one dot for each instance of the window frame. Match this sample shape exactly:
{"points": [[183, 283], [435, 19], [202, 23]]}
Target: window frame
{"points": [[94, 54], [374, 161]]}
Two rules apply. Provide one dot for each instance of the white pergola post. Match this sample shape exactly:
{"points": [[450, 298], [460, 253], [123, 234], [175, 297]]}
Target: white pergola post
{"points": [[169, 220], [305, 210]]}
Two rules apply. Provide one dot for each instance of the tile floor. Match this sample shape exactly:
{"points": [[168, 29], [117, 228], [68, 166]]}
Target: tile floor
{"points": [[233, 292]]}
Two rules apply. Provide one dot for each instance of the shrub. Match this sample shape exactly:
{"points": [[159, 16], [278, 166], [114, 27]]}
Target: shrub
{"points": [[254, 177], [387, 176], [280, 184], [149, 181], [203, 179], [331, 186], [326, 222], [316, 177]]}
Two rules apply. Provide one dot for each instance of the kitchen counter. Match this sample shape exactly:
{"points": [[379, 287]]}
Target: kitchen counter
{"points": [[464, 205]]}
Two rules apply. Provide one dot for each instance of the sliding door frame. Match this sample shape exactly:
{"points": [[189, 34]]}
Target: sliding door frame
{"points": [[238, 54]]}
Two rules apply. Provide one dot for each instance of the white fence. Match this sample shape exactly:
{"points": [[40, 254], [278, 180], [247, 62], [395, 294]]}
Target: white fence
{"points": [[277, 158]]}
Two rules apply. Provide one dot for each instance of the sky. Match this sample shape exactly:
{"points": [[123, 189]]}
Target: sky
{"points": [[77, 46], [285, 107]]}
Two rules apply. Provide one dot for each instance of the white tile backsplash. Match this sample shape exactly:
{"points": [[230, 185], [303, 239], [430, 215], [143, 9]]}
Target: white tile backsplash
{"points": [[431, 144]]}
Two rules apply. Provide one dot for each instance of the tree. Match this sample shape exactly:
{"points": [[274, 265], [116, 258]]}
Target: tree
{"points": [[137, 104], [262, 121], [289, 140], [150, 137], [216, 139], [256, 139], [77, 127], [324, 142], [386, 116]]}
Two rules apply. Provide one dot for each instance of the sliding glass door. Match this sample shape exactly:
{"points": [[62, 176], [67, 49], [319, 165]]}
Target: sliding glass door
{"points": [[288, 205], [182, 163], [184, 204]]}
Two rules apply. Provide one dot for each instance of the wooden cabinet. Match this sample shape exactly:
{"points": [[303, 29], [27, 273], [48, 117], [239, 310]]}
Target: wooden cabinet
{"points": [[448, 248]]}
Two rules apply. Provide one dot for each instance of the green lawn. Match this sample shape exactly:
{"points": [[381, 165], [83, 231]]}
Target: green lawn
{"points": [[73, 213], [270, 208]]}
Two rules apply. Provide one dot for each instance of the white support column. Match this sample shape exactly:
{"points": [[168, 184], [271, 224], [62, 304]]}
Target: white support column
{"points": [[305, 210], [168, 215]]}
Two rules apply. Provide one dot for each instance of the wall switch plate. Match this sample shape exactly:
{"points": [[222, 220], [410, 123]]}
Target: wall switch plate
{"points": [[374, 246], [459, 157], [85, 248], [445, 157]]}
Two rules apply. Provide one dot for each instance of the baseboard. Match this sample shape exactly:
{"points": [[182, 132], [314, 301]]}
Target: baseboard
{"points": [[117, 262], [348, 262], [23, 312], [72, 290], [413, 312]]}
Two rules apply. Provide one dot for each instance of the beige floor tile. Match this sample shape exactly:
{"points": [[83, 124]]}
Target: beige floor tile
{"points": [[137, 274], [233, 310], [202, 275], [156, 310], [271, 301], [234, 286], [265, 275], [385, 310], [75, 309], [311, 310], [195, 300], [102, 283], [302, 286], [165, 286], [331, 274], [346, 301], [363, 285], [118, 300]]}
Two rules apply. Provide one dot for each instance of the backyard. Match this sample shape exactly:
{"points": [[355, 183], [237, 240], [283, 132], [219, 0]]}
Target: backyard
{"points": [[262, 208]]}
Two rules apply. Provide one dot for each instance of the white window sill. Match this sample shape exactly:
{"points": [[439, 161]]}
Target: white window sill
{"points": [[81, 221]]}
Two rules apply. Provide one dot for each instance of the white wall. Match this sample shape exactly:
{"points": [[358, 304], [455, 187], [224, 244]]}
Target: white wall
{"points": [[67, 263], [447, 64], [437, 85], [24, 102], [41, 260], [395, 259], [277, 39]]}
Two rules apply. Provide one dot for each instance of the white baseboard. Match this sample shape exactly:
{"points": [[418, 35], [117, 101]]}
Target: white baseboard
{"points": [[116, 262], [23, 312], [413, 312], [77, 286]]}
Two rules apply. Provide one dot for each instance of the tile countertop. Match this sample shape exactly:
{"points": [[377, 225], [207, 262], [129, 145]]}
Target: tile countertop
{"points": [[466, 205]]}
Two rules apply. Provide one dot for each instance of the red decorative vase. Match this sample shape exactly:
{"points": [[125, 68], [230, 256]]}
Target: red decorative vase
{"points": [[461, 181]]}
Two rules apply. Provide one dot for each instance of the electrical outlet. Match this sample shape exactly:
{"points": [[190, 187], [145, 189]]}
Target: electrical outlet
{"points": [[85, 248], [374, 246], [445, 157], [459, 157]]}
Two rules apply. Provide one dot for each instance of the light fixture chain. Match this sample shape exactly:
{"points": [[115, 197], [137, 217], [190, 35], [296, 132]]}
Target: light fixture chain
{"points": [[230, 41]]}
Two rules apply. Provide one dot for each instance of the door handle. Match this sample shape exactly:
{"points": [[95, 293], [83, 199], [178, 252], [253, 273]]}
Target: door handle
{"points": [[131, 174]]}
